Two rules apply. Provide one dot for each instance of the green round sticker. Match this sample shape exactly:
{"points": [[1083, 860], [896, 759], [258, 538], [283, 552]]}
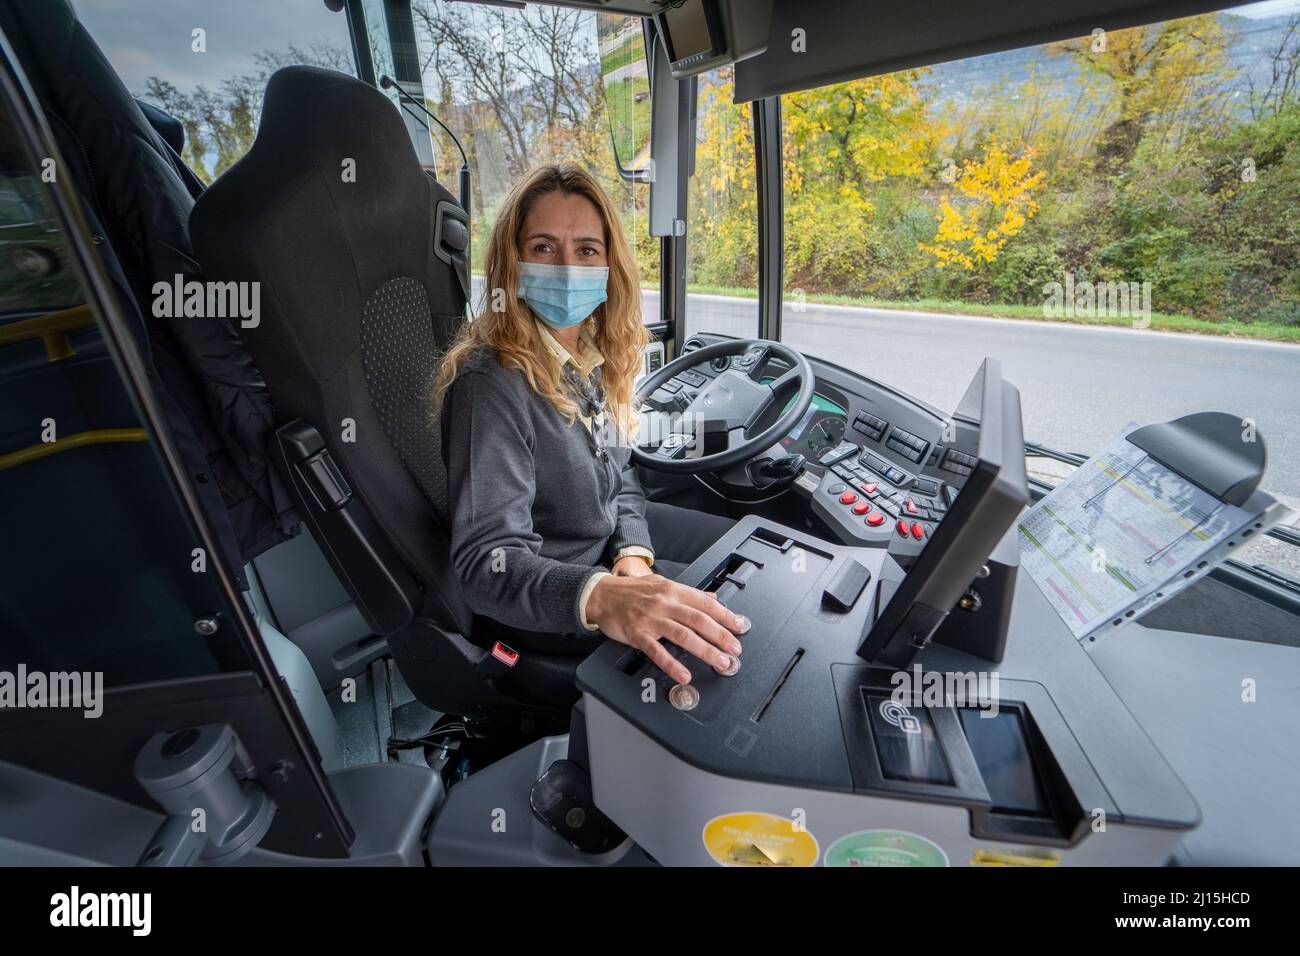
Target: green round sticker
{"points": [[884, 848]]}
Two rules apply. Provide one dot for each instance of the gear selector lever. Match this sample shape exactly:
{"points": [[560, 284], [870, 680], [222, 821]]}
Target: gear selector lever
{"points": [[773, 471]]}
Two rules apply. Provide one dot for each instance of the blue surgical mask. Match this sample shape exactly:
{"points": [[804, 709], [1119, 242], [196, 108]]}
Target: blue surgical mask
{"points": [[562, 296]]}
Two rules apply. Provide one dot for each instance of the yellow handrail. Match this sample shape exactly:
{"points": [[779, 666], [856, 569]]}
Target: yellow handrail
{"points": [[95, 436], [52, 328]]}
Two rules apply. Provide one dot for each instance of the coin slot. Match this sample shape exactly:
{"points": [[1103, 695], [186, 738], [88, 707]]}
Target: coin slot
{"points": [[735, 570], [772, 537]]}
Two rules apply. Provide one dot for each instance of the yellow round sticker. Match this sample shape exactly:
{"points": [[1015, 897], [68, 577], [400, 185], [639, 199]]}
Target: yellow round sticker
{"points": [[758, 839]]}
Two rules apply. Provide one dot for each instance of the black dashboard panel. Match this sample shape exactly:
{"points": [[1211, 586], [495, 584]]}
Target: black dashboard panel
{"points": [[901, 463]]}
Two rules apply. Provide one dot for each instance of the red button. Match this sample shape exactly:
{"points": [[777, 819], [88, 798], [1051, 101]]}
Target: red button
{"points": [[861, 508], [505, 654], [911, 507], [902, 527], [918, 532], [848, 498], [875, 520], [869, 487]]}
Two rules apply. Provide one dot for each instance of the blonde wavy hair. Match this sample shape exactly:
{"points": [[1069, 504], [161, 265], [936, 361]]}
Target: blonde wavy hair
{"points": [[512, 333]]}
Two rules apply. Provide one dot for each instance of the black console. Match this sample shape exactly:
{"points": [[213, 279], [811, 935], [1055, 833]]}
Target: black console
{"points": [[886, 485], [785, 582], [806, 722]]}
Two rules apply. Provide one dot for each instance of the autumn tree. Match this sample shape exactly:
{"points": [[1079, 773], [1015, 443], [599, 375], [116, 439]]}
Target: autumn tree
{"points": [[220, 123], [841, 143], [723, 200], [520, 88], [994, 196], [1281, 87], [1157, 74]]}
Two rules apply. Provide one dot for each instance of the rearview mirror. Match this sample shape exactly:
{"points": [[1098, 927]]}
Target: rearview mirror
{"points": [[626, 77]]}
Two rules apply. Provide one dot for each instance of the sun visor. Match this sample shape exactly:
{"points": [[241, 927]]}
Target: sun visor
{"points": [[819, 42]]}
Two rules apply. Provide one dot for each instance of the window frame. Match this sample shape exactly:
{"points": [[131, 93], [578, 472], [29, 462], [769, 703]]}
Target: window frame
{"points": [[770, 179], [770, 183]]}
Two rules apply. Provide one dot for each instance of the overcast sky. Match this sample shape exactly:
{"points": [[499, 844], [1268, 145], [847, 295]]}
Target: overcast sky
{"points": [[1269, 8], [152, 37]]}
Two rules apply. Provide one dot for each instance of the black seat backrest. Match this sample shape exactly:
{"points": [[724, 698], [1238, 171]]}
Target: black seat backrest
{"points": [[331, 212], [165, 125]]}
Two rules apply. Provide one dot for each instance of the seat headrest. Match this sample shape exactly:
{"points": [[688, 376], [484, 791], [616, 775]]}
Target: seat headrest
{"points": [[327, 116], [329, 203]]}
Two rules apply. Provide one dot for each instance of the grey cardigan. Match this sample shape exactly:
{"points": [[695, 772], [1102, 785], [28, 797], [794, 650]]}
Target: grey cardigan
{"points": [[534, 509]]}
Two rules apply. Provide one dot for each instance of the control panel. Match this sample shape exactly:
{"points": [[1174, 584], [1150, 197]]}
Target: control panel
{"points": [[867, 500], [1003, 774], [856, 433]]}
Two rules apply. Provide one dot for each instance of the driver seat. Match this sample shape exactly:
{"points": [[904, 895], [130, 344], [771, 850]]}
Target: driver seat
{"points": [[361, 261]]}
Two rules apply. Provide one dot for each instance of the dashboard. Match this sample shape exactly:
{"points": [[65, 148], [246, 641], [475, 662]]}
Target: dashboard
{"points": [[881, 466], [883, 427]]}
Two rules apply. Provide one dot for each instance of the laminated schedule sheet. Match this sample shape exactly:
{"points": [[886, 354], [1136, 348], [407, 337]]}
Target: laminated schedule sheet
{"points": [[1109, 538]]}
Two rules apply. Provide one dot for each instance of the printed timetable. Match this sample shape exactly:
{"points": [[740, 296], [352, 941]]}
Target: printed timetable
{"points": [[1117, 537]]}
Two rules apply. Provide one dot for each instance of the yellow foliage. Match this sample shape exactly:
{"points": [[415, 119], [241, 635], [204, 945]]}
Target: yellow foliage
{"points": [[1158, 68], [995, 199]]}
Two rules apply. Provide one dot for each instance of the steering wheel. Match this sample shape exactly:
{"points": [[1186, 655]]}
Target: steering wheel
{"points": [[731, 403]]}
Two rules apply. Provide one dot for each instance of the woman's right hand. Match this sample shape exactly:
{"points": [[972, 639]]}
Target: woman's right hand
{"points": [[637, 611]]}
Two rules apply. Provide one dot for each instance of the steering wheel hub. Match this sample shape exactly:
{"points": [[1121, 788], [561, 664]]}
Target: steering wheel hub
{"points": [[731, 404]]}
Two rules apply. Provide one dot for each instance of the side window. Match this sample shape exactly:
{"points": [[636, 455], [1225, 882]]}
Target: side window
{"points": [[102, 573], [523, 87], [207, 64], [722, 214]]}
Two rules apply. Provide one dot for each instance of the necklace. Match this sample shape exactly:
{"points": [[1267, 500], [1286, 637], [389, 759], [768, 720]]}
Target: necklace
{"points": [[591, 403]]}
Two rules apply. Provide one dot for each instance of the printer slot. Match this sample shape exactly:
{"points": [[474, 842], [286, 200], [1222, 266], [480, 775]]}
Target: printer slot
{"points": [[1029, 796], [776, 688]]}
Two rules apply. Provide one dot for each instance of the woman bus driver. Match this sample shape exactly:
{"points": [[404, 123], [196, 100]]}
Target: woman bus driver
{"points": [[542, 498]]}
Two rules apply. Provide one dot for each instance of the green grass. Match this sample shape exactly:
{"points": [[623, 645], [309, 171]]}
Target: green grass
{"points": [[1160, 321], [630, 119], [629, 51]]}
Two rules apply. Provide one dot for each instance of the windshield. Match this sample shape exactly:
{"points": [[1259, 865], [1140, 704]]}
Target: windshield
{"points": [[1112, 217]]}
